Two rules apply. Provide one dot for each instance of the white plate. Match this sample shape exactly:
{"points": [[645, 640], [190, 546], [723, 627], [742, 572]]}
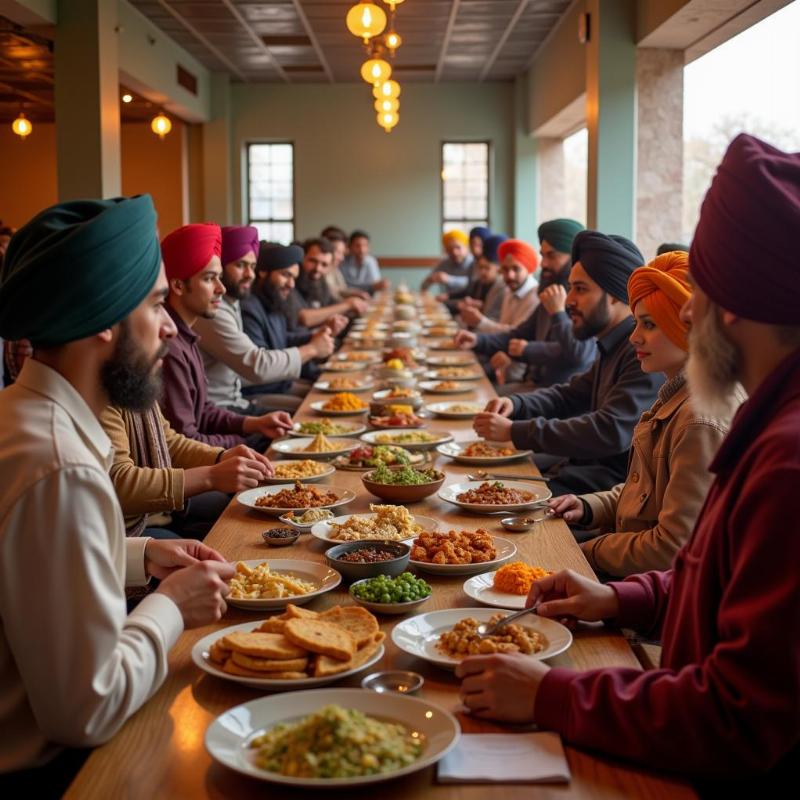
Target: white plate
{"points": [[327, 470], [323, 530], [540, 494], [434, 375], [318, 406], [353, 429], [430, 386], [295, 447], [371, 438], [325, 386], [506, 550], [202, 660], [419, 635], [441, 344], [342, 366], [311, 571], [455, 450], [439, 360], [443, 410], [384, 393], [229, 734], [481, 588], [370, 355], [248, 498]]}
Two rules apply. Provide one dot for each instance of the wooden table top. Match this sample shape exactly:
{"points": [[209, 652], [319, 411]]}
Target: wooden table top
{"points": [[159, 752]]}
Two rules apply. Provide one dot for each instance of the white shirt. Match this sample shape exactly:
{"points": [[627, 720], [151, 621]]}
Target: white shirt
{"points": [[230, 355], [73, 664], [517, 307]]}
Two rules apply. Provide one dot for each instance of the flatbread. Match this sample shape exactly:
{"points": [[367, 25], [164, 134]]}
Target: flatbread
{"points": [[321, 637], [361, 625], [233, 668], [325, 665], [298, 612], [262, 645], [270, 664], [272, 625]]}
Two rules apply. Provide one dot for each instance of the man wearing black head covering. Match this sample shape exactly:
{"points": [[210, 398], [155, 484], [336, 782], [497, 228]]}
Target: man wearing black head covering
{"points": [[266, 323], [83, 281], [581, 430]]}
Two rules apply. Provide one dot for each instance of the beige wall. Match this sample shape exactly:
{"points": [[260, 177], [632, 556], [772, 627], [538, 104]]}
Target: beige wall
{"points": [[28, 171]]}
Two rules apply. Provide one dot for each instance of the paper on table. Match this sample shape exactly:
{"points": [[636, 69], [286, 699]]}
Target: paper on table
{"points": [[505, 758]]}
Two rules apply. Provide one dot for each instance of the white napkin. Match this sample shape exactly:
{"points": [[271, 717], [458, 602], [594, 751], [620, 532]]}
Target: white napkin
{"points": [[505, 758]]}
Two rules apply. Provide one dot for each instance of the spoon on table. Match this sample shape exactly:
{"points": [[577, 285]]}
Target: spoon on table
{"points": [[487, 629], [482, 475]]}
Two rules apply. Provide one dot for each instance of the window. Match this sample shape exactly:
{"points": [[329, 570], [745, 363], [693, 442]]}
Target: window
{"points": [[270, 191], [465, 185]]}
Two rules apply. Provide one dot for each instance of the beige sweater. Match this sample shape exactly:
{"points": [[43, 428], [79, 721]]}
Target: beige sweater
{"points": [[647, 519], [152, 492]]}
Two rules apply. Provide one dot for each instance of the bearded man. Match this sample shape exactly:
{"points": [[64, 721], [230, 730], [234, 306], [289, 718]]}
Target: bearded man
{"points": [[73, 664], [544, 342], [581, 431], [723, 707]]}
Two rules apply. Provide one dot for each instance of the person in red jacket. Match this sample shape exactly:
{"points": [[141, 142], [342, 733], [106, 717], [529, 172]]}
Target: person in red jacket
{"points": [[724, 706]]}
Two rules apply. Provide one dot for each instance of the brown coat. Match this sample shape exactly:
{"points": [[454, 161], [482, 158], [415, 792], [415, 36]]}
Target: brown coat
{"points": [[647, 519], [145, 491]]}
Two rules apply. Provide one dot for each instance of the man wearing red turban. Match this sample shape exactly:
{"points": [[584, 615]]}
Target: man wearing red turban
{"points": [[192, 263], [723, 707]]}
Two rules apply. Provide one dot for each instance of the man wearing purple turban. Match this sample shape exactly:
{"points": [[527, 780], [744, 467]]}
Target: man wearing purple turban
{"points": [[230, 356], [723, 707]]}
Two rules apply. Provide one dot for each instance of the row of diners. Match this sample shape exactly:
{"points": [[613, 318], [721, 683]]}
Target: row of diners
{"points": [[147, 380]]}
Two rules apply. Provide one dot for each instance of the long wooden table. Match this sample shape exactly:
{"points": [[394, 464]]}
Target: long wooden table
{"points": [[160, 753]]}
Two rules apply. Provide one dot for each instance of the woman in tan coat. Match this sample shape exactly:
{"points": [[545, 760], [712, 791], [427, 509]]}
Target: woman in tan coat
{"points": [[645, 521]]}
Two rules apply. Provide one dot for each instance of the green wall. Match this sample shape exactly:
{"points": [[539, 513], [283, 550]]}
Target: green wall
{"points": [[349, 172]]}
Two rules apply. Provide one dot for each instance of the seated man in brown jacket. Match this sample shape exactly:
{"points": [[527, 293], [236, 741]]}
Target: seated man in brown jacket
{"points": [[170, 486], [647, 519]]}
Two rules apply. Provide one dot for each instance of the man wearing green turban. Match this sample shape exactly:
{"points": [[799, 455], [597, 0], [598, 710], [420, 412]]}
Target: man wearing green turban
{"points": [[83, 281]]}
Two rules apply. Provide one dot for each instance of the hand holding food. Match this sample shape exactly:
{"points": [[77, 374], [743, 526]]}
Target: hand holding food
{"points": [[272, 425], [500, 405], [569, 597], [322, 343], [493, 427], [471, 316], [235, 471], [466, 340], [199, 591], [568, 507]]}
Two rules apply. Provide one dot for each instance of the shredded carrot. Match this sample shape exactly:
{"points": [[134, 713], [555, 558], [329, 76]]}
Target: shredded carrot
{"points": [[517, 577]]}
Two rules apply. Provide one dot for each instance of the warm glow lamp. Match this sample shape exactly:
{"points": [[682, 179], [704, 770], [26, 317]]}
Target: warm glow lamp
{"points": [[387, 104], [387, 89], [366, 20], [161, 125], [22, 126], [376, 71], [392, 3], [388, 119], [392, 41]]}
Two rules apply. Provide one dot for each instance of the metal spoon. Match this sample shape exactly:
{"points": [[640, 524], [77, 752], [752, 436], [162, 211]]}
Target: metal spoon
{"points": [[481, 475], [486, 629]]}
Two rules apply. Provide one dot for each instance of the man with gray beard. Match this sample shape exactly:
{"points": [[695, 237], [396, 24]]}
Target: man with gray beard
{"points": [[723, 707]]}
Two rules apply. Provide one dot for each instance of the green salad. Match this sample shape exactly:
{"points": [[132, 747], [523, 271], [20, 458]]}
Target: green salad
{"points": [[336, 742], [407, 476]]}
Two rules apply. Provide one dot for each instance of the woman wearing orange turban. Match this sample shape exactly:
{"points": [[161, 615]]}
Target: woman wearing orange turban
{"points": [[642, 523]]}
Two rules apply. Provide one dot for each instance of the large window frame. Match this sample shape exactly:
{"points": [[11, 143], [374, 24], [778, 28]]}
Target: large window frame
{"points": [[265, 223], [466, 221]]}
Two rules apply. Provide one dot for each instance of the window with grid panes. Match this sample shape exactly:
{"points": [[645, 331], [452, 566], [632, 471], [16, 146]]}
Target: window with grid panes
{"points": [[465, 185], [270, 190]]}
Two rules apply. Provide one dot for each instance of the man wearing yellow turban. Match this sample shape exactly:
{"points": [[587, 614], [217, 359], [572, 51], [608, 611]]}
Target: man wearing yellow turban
{"points": [[454, 272]]}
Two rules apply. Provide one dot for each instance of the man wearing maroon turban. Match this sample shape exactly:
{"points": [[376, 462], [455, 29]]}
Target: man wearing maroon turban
{"points": [[724, 705], [192, 263]]}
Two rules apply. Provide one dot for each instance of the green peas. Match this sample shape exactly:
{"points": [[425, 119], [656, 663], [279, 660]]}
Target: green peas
{"points": [[382, 589]]}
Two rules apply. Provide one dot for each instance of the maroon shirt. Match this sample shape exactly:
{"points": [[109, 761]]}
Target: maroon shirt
{"points": [[186, 403], [725, 703]]}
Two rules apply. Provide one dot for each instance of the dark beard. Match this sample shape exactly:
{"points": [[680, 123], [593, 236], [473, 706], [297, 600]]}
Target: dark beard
{"points": [[596, 322], [127, 376], [313, 291], [549, 280], [270, 297]]}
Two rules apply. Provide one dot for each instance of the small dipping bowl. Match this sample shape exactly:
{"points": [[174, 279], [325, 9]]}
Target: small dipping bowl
{"points": [[280, 541], [393, 681], [526, 522]]}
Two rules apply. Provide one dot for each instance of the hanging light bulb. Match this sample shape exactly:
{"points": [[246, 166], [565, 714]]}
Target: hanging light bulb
{"points": [[376, 71], [387, 89], [388, 119], [392, 40], [387, 104], [161, 124], [392, 3], [366, 20], [22, 126]]}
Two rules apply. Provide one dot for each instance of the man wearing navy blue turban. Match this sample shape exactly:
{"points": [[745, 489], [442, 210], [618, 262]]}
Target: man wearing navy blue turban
{"points": [[83, 282]]}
